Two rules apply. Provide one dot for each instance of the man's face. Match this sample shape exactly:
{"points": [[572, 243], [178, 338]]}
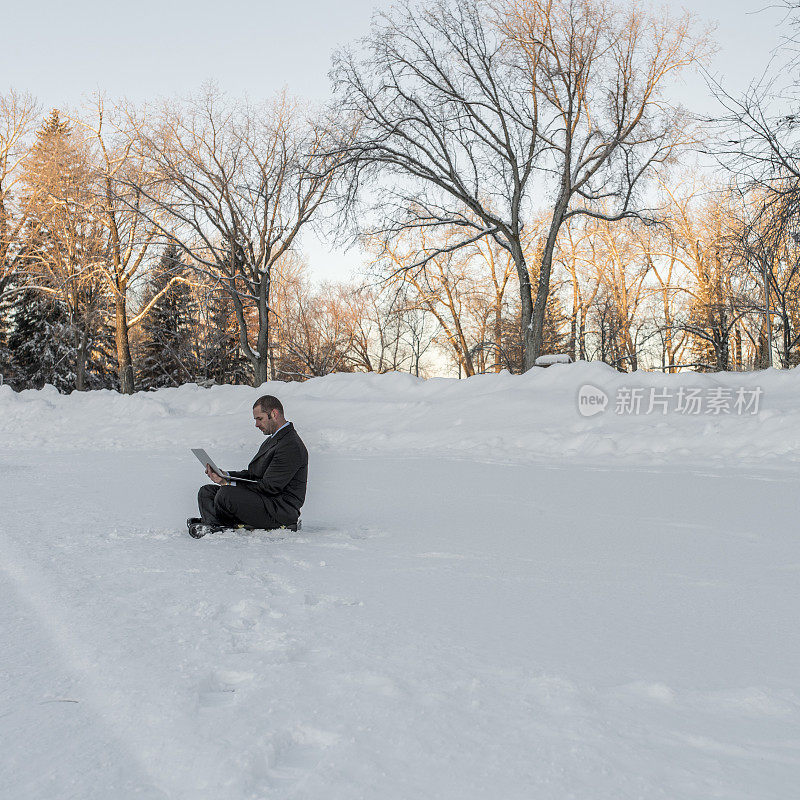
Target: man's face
{"points": [[264, 420]]}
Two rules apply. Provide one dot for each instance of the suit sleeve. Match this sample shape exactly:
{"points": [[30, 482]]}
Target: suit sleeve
{"points": [[282, 468], [241, 473]]}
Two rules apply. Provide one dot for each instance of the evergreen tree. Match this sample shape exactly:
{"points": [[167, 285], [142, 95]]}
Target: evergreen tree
{"points": [[168, 355], [64, 236], [6, 322], [40, 345], [554, 336], [53, 149], [223, 360], [711, 320]]}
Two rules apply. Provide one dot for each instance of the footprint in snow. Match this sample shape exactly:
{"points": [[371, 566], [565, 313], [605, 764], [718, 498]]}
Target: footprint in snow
{"points": [[312, 599], [357, 533], [221, 687], [375, 683], [242, 616], [255, 627], [289, 756]]}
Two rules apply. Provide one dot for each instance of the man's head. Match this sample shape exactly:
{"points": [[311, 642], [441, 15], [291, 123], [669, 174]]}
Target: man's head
{"points": [[268, 414]]}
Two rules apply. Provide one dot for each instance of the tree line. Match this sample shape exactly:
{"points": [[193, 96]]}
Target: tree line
{"points": [[512, 173]]}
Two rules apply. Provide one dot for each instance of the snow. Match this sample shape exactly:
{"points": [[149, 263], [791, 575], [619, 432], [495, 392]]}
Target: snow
{"points": [[492, 595], [555, 358]]}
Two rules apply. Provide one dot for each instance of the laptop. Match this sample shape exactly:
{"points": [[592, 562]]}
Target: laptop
{"points": [[205, 459]]}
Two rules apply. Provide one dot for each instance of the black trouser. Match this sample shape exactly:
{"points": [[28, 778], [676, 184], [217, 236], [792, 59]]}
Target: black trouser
{"points": [[233, 505]]}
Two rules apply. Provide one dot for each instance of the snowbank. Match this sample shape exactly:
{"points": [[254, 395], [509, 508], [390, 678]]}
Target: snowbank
{"points": [[504, 418]]}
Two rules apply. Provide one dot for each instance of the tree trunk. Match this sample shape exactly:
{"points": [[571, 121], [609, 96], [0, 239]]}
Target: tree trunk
{"points": [[786, 356], [535, 339], [668, 332], [721, 348], [269, 357], [261, 360], [582, 336], [629, 348], [498, 336], [259, 371], [738, 345], [124, 362], [573, 324], [525, 303], [80, 362]]}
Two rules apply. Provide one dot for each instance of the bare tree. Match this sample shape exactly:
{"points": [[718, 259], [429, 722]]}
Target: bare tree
{"points": [[714, 308], [239, 184], [495, 275], [418, 334], [759, 143], [18, 118], [598, 72], [622, 273], [377, 322], [576, 254], [661, 252], [443, 285], [447, 127], [317, 333], [464, 107], [127, 202], [766, 239], [699, 221]]}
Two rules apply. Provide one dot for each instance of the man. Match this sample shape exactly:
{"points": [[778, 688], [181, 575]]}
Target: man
{"points": [[280, 469]]}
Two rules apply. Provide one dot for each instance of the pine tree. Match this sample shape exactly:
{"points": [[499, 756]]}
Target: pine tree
{"points": [[223, 361], [6, 323], [65, 239], [554, 336], [710, 321], [168, 350], [52, 146], [40, 345]]}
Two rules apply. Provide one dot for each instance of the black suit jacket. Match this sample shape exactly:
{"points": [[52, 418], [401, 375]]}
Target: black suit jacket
{"points": [[281, 468]]}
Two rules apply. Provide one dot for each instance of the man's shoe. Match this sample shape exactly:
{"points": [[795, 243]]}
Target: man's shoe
{"points": [[242, 527], [197, 530]]}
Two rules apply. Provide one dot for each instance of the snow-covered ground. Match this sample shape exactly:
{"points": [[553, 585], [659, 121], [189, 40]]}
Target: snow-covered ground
{"points": [[493, 596]]}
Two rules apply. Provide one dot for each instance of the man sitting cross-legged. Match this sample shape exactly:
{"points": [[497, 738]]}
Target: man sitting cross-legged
{"points": [[280, 468]]}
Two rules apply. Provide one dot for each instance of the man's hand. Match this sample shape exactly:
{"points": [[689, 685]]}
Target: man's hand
{"points": [[218, 479]]}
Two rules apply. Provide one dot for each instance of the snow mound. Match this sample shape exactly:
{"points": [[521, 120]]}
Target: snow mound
{"points": [[531, 418]]}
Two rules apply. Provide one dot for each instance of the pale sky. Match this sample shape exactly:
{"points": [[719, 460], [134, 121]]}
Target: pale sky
{"points": [[60, 52]]}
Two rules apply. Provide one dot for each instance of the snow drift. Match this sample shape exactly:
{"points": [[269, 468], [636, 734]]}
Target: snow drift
{"points": [[506, 418]]}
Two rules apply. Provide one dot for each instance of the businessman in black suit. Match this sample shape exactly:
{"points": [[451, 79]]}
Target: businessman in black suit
{"points": [[280, 468]]}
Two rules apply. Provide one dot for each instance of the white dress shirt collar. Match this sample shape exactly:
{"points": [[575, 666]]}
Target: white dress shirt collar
{"points": [[279, 429]]}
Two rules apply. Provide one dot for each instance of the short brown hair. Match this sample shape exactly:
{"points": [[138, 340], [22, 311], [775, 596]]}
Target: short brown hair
{"points": [[269, 403]]}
